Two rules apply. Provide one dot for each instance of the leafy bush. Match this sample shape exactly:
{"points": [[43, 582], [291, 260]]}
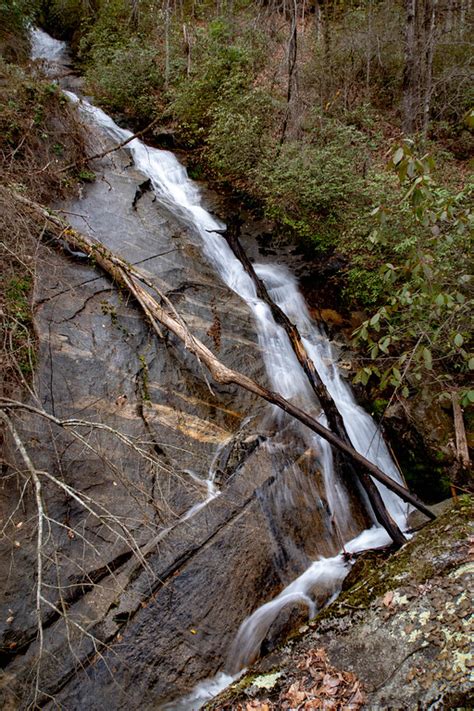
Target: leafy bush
{"points": [[240, 137], [126, 78], [221, 71], [107, 28], [312, 186], [364, 286], [420, 334]]}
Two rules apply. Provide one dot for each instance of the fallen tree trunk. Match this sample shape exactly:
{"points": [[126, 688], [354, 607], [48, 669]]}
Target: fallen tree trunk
{"points": [[462, 450], [130, 277], [334, 418]]}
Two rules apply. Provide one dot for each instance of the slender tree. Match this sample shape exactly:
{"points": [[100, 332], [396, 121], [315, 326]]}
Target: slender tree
{"points": [[292, 81], [429, 43], [409, 71]]}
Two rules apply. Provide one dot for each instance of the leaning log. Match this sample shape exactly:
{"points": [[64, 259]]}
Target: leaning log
{"points": [[336, 423], [133, 279]]}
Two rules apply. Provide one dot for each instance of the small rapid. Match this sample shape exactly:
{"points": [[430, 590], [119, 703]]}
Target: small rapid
{"points": [[47, 48], [178, 194]]}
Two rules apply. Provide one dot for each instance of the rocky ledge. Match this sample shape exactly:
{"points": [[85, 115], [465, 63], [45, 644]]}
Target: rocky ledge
{"points": [[397, 637]]}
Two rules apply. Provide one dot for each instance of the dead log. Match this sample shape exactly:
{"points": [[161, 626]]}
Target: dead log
{"points": [[462, 450], [130, 277], [461, 468], [334, 418]]}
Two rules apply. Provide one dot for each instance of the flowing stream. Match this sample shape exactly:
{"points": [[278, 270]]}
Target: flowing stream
{"points": [[181, 196]]}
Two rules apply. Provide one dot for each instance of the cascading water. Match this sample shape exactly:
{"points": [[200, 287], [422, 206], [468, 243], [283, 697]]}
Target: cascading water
{"points": [[46, 48], [180, 195], [175, 190]]}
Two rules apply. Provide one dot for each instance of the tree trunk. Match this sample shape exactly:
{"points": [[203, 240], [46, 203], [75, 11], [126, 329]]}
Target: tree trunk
{"points": [[318, 21], [292, 85], [167, 43], [134, 15], [409, 73], [368, 48], [327, 81], [187, 46], [462, 450], [430, 27]]}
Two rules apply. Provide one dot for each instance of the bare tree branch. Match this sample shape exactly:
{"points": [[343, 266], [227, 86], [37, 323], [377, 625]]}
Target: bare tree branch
{"points": [[39, 537]]}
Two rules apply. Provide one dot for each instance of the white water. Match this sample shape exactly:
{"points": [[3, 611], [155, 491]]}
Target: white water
{"points": [[202, 693], [174, 189], [47, 48], [324, 575]]}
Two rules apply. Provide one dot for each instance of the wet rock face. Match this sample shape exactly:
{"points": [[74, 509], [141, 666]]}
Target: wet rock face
{"points": [[142, 592]]}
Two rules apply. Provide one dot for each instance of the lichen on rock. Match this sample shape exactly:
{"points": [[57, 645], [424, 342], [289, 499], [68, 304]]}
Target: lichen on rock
{"points": [[403, 629]]}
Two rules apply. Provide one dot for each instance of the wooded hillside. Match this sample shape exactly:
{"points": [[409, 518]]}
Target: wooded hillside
{"points": [[347, 125]]}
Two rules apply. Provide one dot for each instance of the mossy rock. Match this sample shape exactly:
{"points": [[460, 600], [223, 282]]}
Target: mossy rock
{"points": [[399, 615]]}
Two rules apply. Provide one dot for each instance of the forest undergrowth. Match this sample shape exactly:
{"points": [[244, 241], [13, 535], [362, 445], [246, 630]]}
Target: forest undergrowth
{"points": [[348, 126]]}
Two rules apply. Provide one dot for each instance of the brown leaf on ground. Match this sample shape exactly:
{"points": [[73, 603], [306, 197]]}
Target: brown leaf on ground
{"points": [[295, 695], [264, 705], [322, 686], [357, 698], [314, 685], [387, 598]]}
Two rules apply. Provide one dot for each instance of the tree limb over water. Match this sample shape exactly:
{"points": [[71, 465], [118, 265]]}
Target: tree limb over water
{"points": [[135, 282], [334, 418]]}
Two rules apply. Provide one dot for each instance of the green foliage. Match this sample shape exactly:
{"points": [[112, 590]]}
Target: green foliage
{"points": [[17, 291], [420, 334], [87, 176], [221, 72], [109, 27], [364, 286], [145, 379], [312, 186], [467, 396], [122, 66], [126, 78], [17, 321], [240, 135], [14, 18]]}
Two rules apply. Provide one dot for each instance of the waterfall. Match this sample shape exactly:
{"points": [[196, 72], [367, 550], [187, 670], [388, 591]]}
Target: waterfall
{"points": [[179, 194], [45, 47]]}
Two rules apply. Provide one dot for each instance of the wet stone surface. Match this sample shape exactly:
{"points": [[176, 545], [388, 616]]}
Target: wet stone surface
{"points": [[143, 592]]}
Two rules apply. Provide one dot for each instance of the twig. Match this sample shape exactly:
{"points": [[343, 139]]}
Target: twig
{"points": [[393, 671], [97, 156], [39, 539]]}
